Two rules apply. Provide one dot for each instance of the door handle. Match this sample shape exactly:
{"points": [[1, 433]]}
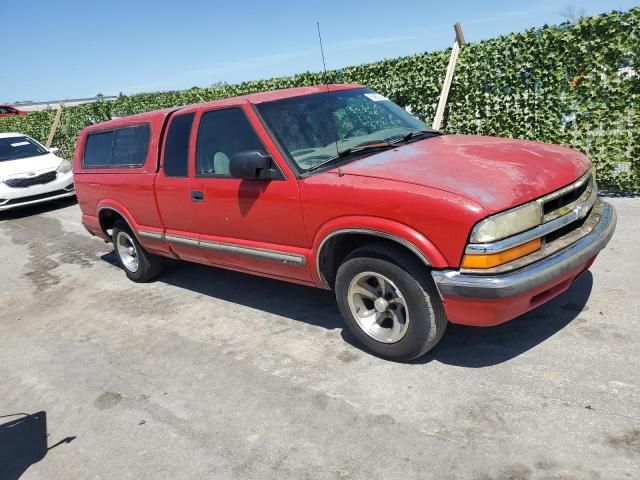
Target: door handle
{"points": [[197, 195]]}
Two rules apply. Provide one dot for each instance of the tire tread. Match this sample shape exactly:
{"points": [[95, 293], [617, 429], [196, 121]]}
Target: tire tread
{"points": [[149, 265], [407, 262]]}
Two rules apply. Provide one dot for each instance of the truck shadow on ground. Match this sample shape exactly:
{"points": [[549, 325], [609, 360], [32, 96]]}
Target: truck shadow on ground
{"points": [[476, 347], [464, 346], [23, 442], [37, 209]]}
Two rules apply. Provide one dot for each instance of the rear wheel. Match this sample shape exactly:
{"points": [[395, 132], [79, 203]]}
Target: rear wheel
{"points": [[139, 265], [389, 302]]}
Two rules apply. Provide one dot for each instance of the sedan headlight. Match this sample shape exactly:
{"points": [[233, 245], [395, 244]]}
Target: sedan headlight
{"points": [[65, 166], [508, 223]]}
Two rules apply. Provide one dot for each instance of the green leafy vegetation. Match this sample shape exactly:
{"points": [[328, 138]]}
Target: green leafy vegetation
{"points": [[576, 85]]}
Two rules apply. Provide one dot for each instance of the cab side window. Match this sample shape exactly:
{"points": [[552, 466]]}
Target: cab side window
{"points": [[222, 134], [176, 151]]}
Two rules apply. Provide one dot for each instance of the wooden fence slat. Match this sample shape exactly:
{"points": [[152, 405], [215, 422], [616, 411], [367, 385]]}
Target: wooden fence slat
{"points": [[448, 78], [54, 125]]}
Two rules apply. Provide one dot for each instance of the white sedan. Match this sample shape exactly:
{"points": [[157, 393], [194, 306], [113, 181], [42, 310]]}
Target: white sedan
{"points": [[31, 173]]}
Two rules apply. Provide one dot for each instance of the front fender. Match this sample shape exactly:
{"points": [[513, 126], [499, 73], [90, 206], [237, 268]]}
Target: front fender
{"points": [[375, 226]]}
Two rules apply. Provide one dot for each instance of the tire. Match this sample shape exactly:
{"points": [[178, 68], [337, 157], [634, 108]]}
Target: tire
{"points": [[410, 295], [139, 265]]}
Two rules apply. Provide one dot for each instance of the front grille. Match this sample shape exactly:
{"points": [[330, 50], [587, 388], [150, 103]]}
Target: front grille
{"points": [[579, 195], [561, 232], [566, 199], [24, 182]]}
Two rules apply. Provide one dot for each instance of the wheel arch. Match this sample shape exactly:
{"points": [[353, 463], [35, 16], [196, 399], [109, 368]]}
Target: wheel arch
{"points": [[333, 245], [109, 213]]}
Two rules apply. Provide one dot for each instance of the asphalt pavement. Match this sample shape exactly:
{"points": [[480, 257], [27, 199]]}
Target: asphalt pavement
{"points": [[211, 374]]}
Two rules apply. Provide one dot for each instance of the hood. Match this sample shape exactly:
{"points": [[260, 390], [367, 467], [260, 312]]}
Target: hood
{"points": [[497, 173], [37, 165]]}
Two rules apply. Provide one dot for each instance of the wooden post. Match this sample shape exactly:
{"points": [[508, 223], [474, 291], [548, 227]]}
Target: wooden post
{"points": [[54, 125], [446, 85]]}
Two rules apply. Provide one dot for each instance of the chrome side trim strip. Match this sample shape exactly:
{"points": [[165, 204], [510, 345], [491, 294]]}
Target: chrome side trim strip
{"points": [[186, 241], [263, 254], [366, 231], [578, 212], [260, 253], [457, 284], [151, 235]]}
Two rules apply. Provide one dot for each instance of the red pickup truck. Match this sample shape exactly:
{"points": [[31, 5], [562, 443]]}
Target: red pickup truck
{"points": [[337, 187]]}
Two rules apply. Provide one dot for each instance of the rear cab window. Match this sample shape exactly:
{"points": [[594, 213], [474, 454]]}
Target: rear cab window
{"points": [[123, 147], [176, 150]]}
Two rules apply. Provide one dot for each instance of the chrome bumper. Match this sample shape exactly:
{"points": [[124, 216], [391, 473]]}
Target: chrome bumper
{"points": [[454, 283]]}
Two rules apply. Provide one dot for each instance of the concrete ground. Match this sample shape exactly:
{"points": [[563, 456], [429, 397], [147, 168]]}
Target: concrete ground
{"points": [[212, 374]]}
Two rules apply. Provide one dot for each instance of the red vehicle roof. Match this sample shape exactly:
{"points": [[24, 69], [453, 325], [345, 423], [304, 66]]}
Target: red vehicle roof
{"points": [[280, 94], [260, 97], [147, 117], [290, 92]]}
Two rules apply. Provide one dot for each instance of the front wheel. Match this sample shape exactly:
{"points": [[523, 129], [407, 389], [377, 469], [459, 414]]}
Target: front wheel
{"points": [[139, 265], [389, 303]]}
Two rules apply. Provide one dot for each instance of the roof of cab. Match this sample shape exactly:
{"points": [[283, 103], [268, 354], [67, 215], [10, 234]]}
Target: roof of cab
{"points": [[283, 93], [146, 117], [160, 115]]}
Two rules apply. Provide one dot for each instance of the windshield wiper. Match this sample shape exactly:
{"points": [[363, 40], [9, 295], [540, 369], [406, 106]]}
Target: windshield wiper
{"points": [[350, 151], [417, 133]]}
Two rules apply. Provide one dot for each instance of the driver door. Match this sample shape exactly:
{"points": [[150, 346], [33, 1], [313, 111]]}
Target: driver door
{"points": [[250, 225]]}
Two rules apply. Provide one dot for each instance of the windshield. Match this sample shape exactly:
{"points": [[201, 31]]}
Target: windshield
{"points": [[13, 148], [315, 128]]}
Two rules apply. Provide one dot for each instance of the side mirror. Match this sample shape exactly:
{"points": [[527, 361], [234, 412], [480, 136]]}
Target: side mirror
{"points": [[54, 150], [253, 165]]}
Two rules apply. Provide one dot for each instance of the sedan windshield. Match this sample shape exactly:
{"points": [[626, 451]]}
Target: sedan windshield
{"points": [[316, 128], [13, 148]]}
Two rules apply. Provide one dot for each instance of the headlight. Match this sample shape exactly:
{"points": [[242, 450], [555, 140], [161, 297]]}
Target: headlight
{"points": [[508, 223], [65, 166]]}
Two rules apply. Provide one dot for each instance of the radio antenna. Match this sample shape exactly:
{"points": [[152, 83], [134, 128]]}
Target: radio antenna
{"points": [[326, 82], [324, 65]]}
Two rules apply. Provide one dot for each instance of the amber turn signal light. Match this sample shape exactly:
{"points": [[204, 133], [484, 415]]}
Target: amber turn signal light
{"points": [[495, 259]]}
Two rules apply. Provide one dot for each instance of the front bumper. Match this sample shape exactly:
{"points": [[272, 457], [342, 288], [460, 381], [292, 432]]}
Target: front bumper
{"points": [[61, 187], [505, 296]]}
